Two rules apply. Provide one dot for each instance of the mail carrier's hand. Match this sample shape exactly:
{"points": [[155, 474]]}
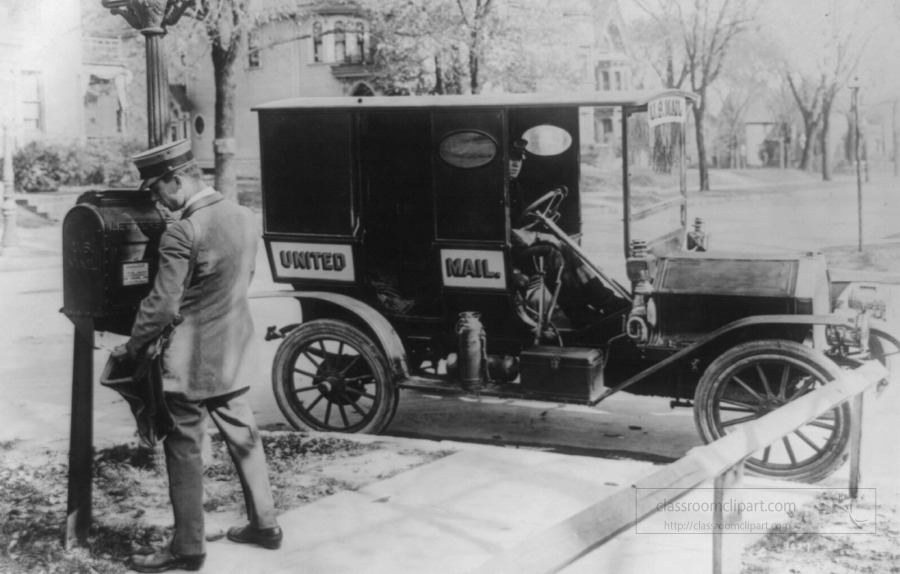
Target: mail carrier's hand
{"points": [[120, 352]]}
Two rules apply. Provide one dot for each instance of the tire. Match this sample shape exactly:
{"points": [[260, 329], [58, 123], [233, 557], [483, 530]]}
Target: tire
{"points": [[329, 376], [753, 379]]}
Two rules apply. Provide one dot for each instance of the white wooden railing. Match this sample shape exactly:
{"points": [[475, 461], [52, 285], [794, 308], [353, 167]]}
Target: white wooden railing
{"points": [[558, 546]]}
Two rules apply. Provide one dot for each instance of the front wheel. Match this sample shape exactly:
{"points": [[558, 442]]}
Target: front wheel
{"points": [[754, 378], [329, 376]]}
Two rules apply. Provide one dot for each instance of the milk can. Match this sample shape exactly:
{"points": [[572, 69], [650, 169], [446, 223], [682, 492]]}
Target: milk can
{"points": [[470, 333]]}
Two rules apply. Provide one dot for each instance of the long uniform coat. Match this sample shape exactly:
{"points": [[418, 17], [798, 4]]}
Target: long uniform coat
{"points": [[213, 351]]}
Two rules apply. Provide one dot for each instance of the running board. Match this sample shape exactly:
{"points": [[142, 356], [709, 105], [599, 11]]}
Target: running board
{"points": [[429, 385], [441, 386]]}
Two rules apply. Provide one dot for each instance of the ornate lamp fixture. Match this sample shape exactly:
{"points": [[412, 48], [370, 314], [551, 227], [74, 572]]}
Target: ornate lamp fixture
{"points": [[151, 18]]}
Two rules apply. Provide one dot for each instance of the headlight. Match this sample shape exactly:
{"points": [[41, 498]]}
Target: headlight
{"points": [[637, 330], [854, 334], [863, 329]]}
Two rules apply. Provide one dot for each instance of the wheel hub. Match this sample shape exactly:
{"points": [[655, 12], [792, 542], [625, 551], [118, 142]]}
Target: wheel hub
{"points": [[333, 387], [771, 404]]}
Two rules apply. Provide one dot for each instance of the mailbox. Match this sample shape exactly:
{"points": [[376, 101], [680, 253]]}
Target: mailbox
{"points": [[110, 256]]}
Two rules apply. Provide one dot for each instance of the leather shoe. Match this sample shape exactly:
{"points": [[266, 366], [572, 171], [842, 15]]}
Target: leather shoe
{"points": [[165, 560], [266, 537]]}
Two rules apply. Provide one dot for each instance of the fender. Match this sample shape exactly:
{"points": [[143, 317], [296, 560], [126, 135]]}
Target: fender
{"points": [[387, 338], [882, 330]]}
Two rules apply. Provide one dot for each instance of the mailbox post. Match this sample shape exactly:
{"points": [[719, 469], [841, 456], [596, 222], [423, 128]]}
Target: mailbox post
{"points": [[110, 258]]}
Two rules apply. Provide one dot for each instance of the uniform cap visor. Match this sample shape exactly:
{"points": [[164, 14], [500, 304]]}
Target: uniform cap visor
{"points": [[145, 185]]}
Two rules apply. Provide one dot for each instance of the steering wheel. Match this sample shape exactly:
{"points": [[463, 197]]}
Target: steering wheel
{"points": [[546, 205]]}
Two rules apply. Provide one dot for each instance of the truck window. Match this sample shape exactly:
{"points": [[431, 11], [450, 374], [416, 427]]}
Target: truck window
{"points": [[547, 140], [656, 184], [308, 172], [468, 149]]}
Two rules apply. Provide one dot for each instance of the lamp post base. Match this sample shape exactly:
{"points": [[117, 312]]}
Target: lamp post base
{"points": [[10, 242]]}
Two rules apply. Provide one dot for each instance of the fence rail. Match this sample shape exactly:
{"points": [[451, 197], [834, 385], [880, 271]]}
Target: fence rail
{"points": [[558, 546]]}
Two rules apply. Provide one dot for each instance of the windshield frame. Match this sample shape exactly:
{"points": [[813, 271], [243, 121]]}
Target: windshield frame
{"points": [[630, 215]]}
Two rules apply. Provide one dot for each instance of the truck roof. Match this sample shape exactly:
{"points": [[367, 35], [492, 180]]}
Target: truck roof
{"points": [[630, 98]]}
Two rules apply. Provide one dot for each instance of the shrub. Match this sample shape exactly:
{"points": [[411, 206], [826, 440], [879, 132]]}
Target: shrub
{"points": [[41, 166]]}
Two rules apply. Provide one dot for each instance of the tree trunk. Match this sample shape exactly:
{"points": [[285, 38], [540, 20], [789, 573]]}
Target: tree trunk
{"points": [[473, 74], [701, 143], [896, 142], [823, 134], [225, 145], [438, 76], [810, 130], [473, 63]]}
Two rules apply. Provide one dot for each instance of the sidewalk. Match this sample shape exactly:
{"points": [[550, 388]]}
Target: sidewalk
{"points": [[453, 515], [38, 248]]}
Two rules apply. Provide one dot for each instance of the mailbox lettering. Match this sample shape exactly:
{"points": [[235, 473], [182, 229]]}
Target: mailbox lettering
{"points": [[465, 267], [315, 260]]}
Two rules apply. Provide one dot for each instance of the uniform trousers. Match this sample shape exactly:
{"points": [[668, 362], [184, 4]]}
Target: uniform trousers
{"points": [[232, 415]]}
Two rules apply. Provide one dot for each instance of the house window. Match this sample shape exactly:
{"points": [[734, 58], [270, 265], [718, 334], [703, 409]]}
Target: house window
{"points": [[605, 86], [32, 101], [352, 45], [618, 77], [253, 50], [340, 42], [103, 114], [361, 41], [317, 41], [607, 130]]}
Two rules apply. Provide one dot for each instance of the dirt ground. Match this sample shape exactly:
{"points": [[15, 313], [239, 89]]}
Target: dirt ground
{"points": [[131, 510], [826, 539]]}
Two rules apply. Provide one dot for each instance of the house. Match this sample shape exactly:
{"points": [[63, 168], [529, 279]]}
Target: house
{"points": [[326, 55], [62, 84], [599, 27], [41, 70], [62, 81]]}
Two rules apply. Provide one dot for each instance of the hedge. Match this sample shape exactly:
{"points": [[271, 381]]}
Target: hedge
{"points": [[41, 166]]}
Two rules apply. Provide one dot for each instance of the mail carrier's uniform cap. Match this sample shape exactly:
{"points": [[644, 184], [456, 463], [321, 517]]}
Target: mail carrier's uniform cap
{"points": [[518, 151], [162, 160]]}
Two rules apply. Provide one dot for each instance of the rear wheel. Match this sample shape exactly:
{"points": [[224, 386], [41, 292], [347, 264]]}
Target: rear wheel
{"points": [[755, 378], [329, 376]]}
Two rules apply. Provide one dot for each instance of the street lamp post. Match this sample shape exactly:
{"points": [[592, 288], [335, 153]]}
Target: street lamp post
{"points": [[7, 188], [10, 240], [854, 86], [151, 17]]}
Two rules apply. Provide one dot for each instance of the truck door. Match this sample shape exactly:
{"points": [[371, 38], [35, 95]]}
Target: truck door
{"points": [[398, 211]]}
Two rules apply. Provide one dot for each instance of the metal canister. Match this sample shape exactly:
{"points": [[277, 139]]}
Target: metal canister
{"points": [[470, 333]]}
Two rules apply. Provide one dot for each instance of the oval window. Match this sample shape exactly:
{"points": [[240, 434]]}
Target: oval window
{"points": [[546, 139], [199, 125], [468, 149]]}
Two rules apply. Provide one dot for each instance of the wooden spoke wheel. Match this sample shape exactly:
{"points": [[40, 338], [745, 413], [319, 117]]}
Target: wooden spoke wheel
{"points": [[755, 378], [329, 376]]}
